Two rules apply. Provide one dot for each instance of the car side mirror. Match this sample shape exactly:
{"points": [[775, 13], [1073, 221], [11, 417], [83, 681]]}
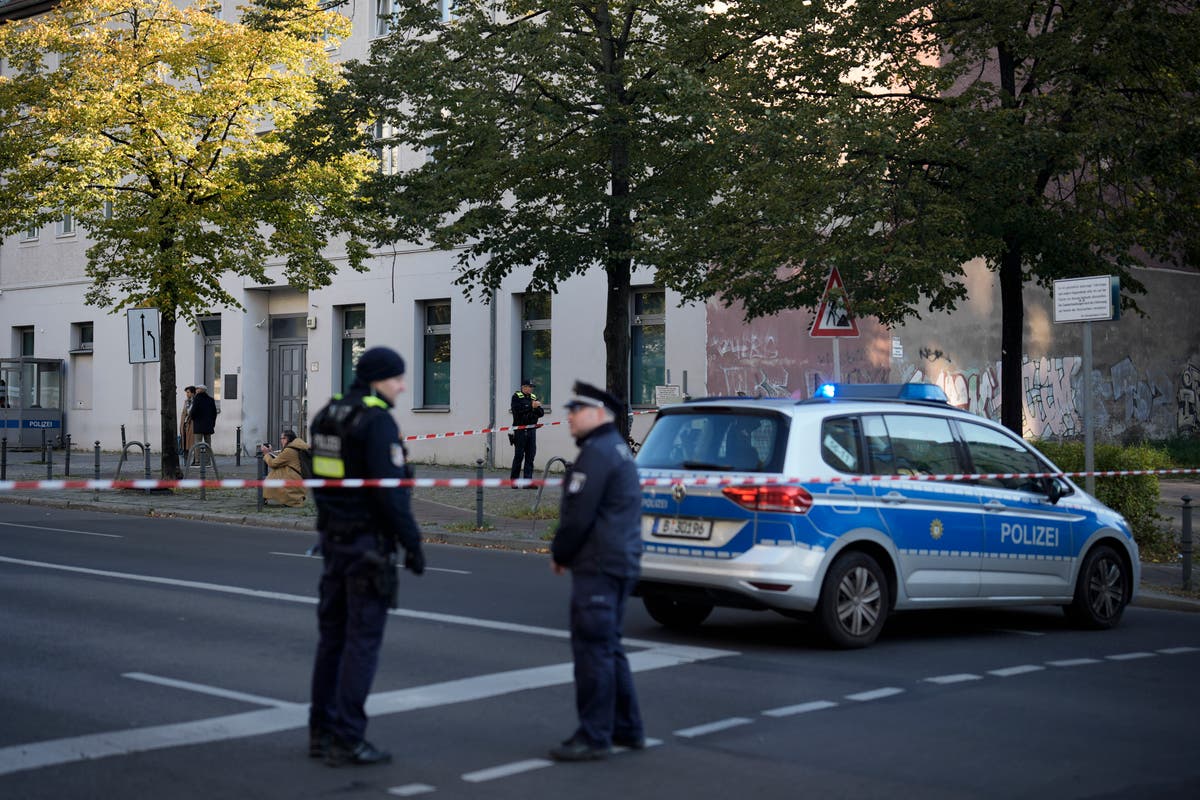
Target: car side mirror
{"points": [[1054, 490]]}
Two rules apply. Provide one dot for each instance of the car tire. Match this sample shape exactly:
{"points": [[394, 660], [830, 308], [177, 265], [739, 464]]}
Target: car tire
{"points": [[671, 612], [854, 601], [1101, 590]]}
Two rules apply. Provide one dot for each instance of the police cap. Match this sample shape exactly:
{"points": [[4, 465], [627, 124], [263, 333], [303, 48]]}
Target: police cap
{"points": [[588, 395], [379, 364], [527, 382]]}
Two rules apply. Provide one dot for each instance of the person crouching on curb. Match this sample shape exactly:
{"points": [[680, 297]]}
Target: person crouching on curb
{"points": [[599, 540], [355, 437], [284, 464]]}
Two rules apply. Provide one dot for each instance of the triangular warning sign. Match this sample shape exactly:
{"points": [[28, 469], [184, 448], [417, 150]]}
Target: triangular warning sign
{"points": [[833, 315]]}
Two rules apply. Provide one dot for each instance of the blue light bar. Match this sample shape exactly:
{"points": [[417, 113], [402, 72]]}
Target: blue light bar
{"points": [[927, 392]]}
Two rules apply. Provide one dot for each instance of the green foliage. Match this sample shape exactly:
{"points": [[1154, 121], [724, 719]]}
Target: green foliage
{"points": [[1183, 450], [1134, 496]]}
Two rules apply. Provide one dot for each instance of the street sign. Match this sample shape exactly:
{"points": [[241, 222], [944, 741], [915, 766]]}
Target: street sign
{"points": [[1096, 299], [833, 315], [143, 335]]}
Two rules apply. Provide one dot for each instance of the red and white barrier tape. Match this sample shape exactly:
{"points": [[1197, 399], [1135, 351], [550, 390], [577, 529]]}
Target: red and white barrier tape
{"points": [[500, 483], [420, 437]]}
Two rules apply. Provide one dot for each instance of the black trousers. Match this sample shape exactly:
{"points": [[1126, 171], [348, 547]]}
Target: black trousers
{"points": [[526, 445]]}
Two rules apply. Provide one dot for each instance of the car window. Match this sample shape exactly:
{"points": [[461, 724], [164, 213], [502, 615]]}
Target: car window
{"points": [[921, 445], [716, 439], [993, 451], [840, 444]]}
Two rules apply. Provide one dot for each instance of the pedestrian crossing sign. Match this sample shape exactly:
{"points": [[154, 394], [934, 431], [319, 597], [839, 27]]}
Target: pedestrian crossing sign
{"points": [[833, 315]]}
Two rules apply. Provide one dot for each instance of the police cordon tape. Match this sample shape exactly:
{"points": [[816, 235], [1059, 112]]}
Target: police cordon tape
{"points": [[501, 483], [420, 437]]}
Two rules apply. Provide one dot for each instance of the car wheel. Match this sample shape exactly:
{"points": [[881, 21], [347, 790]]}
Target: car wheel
{"points": [[1101, 591], [854, 601], [671, 612]]}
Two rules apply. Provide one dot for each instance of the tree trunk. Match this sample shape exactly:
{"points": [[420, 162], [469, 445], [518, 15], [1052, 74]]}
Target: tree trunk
{"points": [[1012, 330], [168, 418]]}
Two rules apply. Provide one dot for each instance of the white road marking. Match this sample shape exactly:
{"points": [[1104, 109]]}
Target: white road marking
{"points": [[410, 789], [63, 530], [427, 569], [215, 691], [504, 770], [712, 727], [1174, 651], [1073, 662], [958, 677], [1129, 656], [875, 694], [1008, 672], [801, 708], [649, 743]]}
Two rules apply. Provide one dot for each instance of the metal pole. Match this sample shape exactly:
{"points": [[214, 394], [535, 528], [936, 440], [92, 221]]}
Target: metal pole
{"points": [[146, 458], [67, 457], [479, 493], [1185, 545], [1089, 452], [122, 438], [837, 361], [96, 495], [3, 458], [261, 474], [238, 451], [203, 463], [49, 454], [43, 444]]}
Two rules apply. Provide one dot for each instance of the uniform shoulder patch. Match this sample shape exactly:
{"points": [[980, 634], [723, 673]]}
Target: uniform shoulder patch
{"points": [[578, 479], [397, 455]]}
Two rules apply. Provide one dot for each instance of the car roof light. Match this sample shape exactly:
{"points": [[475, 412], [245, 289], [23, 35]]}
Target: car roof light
{"points": [[926, 392]]}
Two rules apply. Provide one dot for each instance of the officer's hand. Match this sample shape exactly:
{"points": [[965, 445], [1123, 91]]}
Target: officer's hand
{"points": [[414, 561]]}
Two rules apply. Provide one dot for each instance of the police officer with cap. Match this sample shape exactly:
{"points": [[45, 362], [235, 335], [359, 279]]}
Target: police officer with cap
{"points": [[526, 410], [355, 437], [599, 541]]}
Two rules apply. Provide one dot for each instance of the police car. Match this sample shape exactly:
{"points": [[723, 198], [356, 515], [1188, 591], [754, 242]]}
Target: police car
{"points": [[838, 528]]}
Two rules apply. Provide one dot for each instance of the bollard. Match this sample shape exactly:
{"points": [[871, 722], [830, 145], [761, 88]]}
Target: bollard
{"points": [[122, 437], [1185, 545], [3, 458], [67, 457], [43, 444], [237, 453], [48, 453], [203, 463], [146, 458], [260, 471], [96, 494], [479, 493]]}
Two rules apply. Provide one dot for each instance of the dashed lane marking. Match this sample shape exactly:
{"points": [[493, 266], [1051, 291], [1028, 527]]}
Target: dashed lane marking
{"points": [[1074, 662], [1130, 656], [875, 694], [959, 677], [799, 708], [712, 727], [410, 790], [1175, 651], [505, 770], [1022, 669], [213, 691]]}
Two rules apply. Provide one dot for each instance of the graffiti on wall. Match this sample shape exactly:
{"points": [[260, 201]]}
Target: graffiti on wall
{"points": [[1188, 414]]}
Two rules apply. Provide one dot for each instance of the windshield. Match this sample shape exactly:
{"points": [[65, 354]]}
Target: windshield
{"points": [[727, 440]]}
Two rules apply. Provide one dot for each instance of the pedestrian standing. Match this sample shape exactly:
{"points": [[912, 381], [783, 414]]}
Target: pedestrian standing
{"points": [[599, 540], [204, 419], [360, 529], [186, 438], [526, 410]]}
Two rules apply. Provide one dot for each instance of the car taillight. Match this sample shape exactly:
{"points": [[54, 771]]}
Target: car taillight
{"points": [[794, 499]]}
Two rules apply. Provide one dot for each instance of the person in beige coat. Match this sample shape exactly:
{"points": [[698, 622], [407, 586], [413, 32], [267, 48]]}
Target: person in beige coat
{"points": [[284, 464]]}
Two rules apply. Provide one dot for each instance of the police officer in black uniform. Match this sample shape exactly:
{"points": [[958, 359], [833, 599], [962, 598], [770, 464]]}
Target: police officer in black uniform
{"points": [[599, 541], [526, 410], [355, 437]]}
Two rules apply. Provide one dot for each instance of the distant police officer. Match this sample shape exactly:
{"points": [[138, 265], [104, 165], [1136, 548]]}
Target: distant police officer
{"points": [[355, 437], [599, 541], [526, 410]]}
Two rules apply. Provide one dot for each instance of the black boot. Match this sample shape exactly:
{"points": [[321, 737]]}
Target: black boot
{"points": [[363, 753]]}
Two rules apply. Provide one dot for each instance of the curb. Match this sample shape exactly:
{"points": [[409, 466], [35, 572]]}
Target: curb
{"points": [[1150, 598]]}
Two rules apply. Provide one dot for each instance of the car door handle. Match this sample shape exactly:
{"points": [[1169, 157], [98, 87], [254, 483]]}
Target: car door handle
{"points": [[893, 497], [994, 505]]}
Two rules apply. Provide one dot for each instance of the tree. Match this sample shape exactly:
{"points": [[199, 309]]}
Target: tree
{"points": [[558, 135], [1051, 138], [165, 132]]}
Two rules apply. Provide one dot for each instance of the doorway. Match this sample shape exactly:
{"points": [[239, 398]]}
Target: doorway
{"points": [[288, 390]]}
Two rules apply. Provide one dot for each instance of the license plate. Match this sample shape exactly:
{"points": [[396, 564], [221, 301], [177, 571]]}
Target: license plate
{"points": [[682, 528]]}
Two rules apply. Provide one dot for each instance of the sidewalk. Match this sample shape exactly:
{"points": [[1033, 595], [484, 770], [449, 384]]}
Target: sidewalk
{"points": [[444, 514]]}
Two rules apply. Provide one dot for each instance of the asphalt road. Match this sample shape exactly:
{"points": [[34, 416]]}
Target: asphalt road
{"points": [[156, 658]]}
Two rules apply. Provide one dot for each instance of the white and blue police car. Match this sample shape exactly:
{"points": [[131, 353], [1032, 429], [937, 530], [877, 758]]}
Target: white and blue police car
{"points": [[838, 528]]}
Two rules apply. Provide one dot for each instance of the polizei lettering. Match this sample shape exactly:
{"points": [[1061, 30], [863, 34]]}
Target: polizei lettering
{"points": [[1030, 535]]}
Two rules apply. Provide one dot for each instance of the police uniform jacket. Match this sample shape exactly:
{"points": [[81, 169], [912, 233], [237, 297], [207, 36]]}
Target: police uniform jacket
{"points": [[523, 411], [599, 524], [371, 449]]}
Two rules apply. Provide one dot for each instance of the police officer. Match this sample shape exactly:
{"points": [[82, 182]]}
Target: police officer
{"points": [[599, 541], [355, 437], [526, 410]]}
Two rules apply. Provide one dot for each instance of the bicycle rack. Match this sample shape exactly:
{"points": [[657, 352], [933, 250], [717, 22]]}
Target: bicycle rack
{"points": [[537, 501], [206, 457], [145, 448]]}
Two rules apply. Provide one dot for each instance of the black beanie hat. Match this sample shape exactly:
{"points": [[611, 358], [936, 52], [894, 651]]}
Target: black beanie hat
{"points": [[379, 364]]}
